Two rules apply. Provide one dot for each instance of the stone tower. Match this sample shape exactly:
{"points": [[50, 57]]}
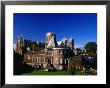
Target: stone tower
{"points": [[19, 45], [64, 41], [51, 39], [71, 42]]}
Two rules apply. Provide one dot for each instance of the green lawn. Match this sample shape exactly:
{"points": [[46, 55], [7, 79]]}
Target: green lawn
{"points": [[78, 73], [47, 73]]}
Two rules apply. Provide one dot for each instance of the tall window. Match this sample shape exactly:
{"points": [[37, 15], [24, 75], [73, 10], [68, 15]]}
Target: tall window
{"points": [[37, 59], [51, 53], [34, 59], [64, 51], [44, 59], [61, 61], [65, 61], [55, 51], [60, 51], [51, 60], [28, 56]]}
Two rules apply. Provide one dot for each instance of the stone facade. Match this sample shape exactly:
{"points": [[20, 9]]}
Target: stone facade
{"points": [[60, 58], [57, 57], [51, 57]]}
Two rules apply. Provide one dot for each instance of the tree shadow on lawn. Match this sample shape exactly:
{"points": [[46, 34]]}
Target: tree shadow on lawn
{"points": [[19, 67]]}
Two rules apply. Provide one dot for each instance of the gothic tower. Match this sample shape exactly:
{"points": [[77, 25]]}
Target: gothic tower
{"points": [[51, 38], [64, 41], [19, 45], [71, 42]]}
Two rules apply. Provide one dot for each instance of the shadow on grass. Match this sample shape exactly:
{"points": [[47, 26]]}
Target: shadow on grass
{"points": [[19, 67]]}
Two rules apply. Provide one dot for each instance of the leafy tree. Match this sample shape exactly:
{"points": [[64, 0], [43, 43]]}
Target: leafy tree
{"points": [[79, 51], [91, 47]]}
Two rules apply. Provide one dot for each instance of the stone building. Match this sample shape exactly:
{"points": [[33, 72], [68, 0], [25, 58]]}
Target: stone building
{"points": [[60, 58], [51, 56]]}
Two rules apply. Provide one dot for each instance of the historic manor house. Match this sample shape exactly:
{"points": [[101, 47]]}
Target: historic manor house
{"points": [[48, 55]]}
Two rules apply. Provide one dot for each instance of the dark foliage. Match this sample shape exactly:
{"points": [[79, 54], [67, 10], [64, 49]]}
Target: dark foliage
{"points": [[91, 47], [19, 67]]}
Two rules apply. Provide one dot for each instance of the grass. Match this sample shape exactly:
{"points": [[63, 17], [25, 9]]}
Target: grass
{"points": [[78, 73], [47, 73], [52, 73]]}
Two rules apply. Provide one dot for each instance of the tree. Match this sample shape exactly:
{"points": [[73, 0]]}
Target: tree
{"points": [[91, 47], [79, 51]]}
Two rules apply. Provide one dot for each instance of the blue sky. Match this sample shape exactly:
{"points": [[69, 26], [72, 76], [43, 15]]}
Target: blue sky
{"points": [[33, 26]]}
